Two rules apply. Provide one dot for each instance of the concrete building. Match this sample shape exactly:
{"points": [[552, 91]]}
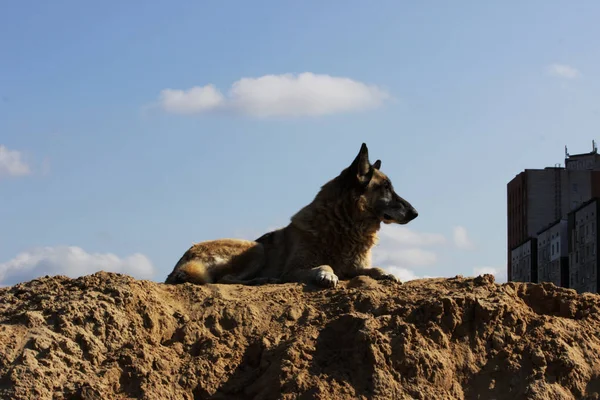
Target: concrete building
{"points": [[553, 254], [583, 247], [524, 259], [538, 197], [583, 162]]}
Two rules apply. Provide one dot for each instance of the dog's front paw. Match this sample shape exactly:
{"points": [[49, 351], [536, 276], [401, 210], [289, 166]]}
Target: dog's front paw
{"points": [[388, 277], [327, 279]]}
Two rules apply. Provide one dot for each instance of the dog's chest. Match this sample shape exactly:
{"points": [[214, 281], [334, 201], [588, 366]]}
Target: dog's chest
{"points": [[347, 261], [344, 253]]}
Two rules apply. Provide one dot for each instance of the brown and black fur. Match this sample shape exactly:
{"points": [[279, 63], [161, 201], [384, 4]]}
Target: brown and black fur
{"points": [[327, 240]]}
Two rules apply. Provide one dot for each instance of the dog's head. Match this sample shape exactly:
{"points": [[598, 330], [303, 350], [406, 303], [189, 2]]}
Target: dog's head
{"points": [[377, 192]]}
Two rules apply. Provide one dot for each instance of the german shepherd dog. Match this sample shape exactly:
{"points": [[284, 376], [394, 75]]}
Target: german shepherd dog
{"points": [[327, 240]]}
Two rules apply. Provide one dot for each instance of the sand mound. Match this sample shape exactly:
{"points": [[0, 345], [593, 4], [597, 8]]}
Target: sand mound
{"points": [[109, 336]]}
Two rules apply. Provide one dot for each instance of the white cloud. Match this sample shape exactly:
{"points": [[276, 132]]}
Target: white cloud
{"points": [[413, 257], [563, 71], [11, 163], [193, 101], [285, 95], [407, 237], [70, 261], [401, 247], [499, 273], [304, 95], [461, 238]]}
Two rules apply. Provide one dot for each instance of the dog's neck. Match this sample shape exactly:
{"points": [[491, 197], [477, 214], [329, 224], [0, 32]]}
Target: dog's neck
{"points": [[338, 221]]}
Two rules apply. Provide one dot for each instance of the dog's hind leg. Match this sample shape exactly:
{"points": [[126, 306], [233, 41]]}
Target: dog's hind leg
{"points": [[245, 269], [322, 275]]}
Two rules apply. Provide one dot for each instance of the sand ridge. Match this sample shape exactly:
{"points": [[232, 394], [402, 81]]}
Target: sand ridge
{"points": [[110, 336]]}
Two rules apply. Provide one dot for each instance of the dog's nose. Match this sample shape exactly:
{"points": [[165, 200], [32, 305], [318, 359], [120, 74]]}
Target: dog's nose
{"points": [[412, 214]]}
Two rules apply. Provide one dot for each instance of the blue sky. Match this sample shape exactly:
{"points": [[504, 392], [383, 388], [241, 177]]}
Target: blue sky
{"points": [[109, 159]]}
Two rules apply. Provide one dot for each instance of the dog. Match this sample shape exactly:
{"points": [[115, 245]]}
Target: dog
{"points": [[329, 239]]}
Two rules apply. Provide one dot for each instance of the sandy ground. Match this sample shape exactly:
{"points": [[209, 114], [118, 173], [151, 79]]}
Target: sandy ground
{"points": [[109, 336]]}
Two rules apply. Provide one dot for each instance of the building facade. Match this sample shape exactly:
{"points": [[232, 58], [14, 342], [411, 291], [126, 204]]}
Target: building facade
{"points": [[524, 258], [538, 197], [553, 254], [583, 247], [583, 162]]}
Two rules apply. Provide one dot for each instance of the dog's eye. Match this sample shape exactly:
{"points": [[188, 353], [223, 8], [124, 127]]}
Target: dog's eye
{"points": [[387, 185]]}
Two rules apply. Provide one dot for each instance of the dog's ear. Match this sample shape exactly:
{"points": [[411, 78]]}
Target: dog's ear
{"points": [[377, 164], [361, 166]]}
